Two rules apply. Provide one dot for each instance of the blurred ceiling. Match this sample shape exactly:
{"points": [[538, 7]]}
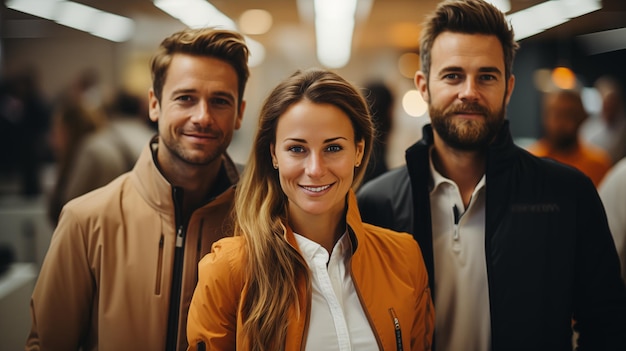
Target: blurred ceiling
{"points": [[390, 22]]}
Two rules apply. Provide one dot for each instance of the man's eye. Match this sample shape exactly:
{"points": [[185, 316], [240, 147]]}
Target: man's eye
{"points": [[297, 149], [184, 98], [219, 101], [452, 76], [488, 77]]}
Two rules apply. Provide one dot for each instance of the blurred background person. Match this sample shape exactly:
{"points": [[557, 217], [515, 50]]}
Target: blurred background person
{"points": [[71, 124], [24, 122], [563, 114], [380, 101], [112, 150], [612, 191], [608, 130]]}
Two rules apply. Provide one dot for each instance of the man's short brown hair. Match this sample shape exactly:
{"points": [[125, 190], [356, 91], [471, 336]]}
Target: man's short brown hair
{"points": [[467, 17], [218, 43]]}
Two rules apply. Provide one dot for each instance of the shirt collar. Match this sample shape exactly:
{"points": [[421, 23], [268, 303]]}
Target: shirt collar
{"points": [[437, 179], [310, 249]]}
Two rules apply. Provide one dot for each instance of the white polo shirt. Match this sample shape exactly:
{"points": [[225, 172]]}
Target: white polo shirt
{"points": [[462, 316], [337, 321]]}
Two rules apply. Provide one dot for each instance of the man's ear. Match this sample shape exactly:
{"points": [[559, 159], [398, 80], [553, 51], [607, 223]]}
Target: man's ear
{"points": [[510, 84], [239, 118], [154, 106], [421, 83]]}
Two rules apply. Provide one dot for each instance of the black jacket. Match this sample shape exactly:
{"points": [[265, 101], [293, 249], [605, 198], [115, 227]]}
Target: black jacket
{"points": [[549, 252]]}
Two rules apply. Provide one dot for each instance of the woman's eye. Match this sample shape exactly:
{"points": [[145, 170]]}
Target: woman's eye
{"points": [[297, 149], [334, 148]]}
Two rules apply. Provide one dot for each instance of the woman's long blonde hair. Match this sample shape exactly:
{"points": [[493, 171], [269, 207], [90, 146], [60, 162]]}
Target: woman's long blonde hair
{"points": [[261, 206]]}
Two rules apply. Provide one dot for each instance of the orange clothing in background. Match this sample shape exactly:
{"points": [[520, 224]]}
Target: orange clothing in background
{"points": [[592, 161]]}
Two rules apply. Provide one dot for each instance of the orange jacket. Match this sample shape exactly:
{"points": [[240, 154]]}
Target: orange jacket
{"points": [[387, 270], [590, 160]]}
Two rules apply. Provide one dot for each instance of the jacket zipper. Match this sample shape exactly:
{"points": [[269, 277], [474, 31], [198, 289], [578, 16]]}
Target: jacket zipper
{"points": [[157, 287], [398, 330], [367, 313], [177, 272]]}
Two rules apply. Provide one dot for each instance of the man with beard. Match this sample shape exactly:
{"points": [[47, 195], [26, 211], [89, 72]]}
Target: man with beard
{"points": [[122, 264], [563, 115], [516, 246]]}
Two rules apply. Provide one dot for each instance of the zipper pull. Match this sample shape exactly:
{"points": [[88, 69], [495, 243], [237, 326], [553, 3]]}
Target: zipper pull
{"points": [[396, 325], [457, 218], [179, 237]]}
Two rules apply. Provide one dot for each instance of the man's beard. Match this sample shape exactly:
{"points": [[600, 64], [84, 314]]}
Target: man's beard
{"points": [[467, 134], [204, 157]]}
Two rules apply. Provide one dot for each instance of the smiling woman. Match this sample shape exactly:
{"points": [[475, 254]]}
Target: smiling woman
{"points": [[301, 252]]}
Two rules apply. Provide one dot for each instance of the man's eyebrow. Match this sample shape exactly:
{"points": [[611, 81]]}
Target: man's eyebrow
{"points": [[182, 91], [486, 69], [451, 69], [225, 94], [490, 69], [222, 94]]}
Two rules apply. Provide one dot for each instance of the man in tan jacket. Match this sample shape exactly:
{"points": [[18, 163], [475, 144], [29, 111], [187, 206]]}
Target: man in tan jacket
{"points": [[122, 263]]}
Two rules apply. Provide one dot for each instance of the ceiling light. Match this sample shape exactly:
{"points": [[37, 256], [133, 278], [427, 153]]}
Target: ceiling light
{"points": [[334, 25], [200, 14], [546, 15], [113, 27], [502, 5], [196, 13], [78, 16], [40, 8], [606, 41]]}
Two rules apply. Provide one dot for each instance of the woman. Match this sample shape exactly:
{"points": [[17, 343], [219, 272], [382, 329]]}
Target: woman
{"points": [[303, 271]]}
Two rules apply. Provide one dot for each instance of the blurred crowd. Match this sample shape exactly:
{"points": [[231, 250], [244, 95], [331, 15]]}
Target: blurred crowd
{"points": [[86, 137]]}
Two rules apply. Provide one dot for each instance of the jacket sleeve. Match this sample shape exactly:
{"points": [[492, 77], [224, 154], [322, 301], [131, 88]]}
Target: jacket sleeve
{"points": [[62, 300], [212, 319], [424, 323], [599, 292], [375, 208]]}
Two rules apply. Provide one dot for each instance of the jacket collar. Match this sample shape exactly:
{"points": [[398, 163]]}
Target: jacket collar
{"points": [[155, 189]]}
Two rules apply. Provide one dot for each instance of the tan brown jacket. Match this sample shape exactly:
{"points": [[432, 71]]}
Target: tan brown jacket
{"points": [[105, 282]]}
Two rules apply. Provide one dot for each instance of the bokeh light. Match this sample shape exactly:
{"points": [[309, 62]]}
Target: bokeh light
{"points": [[255, 22], [413, 103], [408, 64]]}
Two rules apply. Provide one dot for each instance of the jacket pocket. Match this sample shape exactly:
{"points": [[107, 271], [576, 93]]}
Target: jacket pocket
{"points": [[398, 330], [159, 271]]}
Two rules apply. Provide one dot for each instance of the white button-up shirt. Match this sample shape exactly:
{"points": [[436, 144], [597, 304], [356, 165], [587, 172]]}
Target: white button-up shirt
{"points": [[462, 314], [337, 321]]}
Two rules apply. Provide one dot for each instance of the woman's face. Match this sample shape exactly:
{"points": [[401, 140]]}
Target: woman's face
{"points": [[316, 153]]}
